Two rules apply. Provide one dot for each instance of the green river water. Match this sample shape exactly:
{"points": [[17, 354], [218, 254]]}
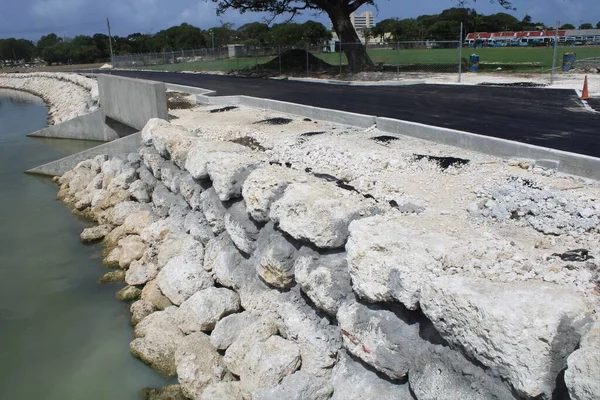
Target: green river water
{"points": [[62, 335]]}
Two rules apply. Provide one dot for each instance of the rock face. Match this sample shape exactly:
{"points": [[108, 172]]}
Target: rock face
{"points": [[268, 362], [205, 308], [388, 262], [157, 338], [198, 364], [583, 368], [181, 277], [352, 381], [380, 338], [298, 386], [229, 328], [324, 279], [318, 213], [521, 331]]}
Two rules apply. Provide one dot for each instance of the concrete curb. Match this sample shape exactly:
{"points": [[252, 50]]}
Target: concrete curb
{"points": [[562, 161], [187, 89], [124, 145], [359, 83]]}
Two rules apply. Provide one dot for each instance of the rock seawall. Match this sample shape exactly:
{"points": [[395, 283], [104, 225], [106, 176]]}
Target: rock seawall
{"points": [[67, 95], [255, 280]]}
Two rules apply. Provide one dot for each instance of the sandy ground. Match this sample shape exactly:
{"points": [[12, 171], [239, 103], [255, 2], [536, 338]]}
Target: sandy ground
{"points": [[509, 249]]}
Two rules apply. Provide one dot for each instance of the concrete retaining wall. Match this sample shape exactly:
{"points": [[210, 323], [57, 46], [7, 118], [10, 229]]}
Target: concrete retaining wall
{"points": [[116, 147], [132, 101], [85, 127]]}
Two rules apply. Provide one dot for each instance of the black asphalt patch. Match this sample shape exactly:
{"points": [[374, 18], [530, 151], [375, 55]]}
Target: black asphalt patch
{"points": [[540, 117]]}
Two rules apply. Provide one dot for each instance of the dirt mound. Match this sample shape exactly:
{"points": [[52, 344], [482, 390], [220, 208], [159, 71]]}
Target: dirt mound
{"points": [[295, 60]]}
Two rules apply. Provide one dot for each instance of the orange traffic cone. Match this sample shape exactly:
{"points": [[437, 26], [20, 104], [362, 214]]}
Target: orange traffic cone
{"points": [[584, 93]]}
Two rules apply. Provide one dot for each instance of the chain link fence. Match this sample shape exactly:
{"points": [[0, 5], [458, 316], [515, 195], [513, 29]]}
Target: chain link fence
{"points": [[423, 59]]}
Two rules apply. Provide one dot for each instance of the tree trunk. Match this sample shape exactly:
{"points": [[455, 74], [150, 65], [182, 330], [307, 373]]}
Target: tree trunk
{"points": [[356, 52]]}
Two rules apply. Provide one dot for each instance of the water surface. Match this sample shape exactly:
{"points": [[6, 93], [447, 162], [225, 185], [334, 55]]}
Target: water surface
{"points": [[62, 336]]}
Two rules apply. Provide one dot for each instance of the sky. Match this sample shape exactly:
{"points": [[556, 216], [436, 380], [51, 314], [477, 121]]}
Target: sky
{"points": [[33, 18]]}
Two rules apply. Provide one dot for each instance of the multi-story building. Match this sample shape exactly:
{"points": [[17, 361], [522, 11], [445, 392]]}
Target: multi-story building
{"points": [[360, 22]]}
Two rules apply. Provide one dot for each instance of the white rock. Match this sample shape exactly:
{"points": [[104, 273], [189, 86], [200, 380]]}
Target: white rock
{"points": [[205, 308], [268, 362], [181, 277], [223, 391], [152, 125], [180, 246], [352, 381], [214, 211], [94, 233], [229, 328], [228, 173], [522, 331], [258, 331], [196, 225], [140, 272], [265, 185], [583, 372], [140, 310], [132, 248], [298, 386], [204, 152], [198, 364], [389, 262], [318, 213], [157, 338]]}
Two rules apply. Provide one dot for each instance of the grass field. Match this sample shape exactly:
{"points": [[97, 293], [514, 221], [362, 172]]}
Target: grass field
{"points": [[518, 59]]}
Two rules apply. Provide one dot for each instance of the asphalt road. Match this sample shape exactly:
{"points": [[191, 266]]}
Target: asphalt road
{"points": [[543, 117]]}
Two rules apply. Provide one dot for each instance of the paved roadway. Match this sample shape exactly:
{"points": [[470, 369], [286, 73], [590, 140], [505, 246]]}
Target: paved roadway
{"points": [[543, 117]]}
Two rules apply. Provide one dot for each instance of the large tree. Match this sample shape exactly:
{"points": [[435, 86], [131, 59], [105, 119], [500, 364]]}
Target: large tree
{"points": [[338, 11]]}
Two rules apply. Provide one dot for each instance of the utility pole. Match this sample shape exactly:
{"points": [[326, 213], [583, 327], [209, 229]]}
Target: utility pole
{"points": [[110, 43]]}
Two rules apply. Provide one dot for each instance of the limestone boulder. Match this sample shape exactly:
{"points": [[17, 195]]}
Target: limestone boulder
{"points": [[389, 262], [128, 294], [444, 374], [319, 213], [139, 310], [276, 257], [191, 190], [268, 362], [353, 381], [169, 392], [229, 328], [135, 222], [157, 338], [140, 272], [223, 391], [171, 177], [146, 177], [140, 191], [156, 232], [181, 277], [165, 136], [180, 246], [198, 364], [325, 279], [204, 151], [229, 267], [242, 230], [229, 173], [380, 337], [256, 332], [213, 210], [583, 367], [521, 331], [266, 184], [152, 294], [95, 233], [153, 162], [205, 308], [298, 386], [152, 126], [197, 226], [117, 215], [318, 340], [132, 248], [168, 203]]}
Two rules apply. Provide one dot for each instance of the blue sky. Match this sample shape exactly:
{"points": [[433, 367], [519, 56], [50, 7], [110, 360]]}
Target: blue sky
{"points": [[32, 18]]}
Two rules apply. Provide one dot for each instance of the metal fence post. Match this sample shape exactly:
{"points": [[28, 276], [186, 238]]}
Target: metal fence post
{"points": [[279, 58], [340, 57], [554, 52], [460, 45], [307, 61]]}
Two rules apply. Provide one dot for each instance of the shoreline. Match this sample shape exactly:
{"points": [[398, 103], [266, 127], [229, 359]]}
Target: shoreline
{"points": [[66, 95], [270, 259]]}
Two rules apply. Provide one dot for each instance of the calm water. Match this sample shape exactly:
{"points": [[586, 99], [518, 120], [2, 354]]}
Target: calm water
{"points": [[62, 336]]}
